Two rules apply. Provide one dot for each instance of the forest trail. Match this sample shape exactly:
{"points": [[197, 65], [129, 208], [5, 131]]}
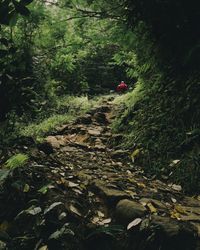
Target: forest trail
{"points": [[91, 188]]}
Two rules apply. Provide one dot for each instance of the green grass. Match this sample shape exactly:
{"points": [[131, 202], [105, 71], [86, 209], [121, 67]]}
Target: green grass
{"points": [[65, 110], [38, 130]]}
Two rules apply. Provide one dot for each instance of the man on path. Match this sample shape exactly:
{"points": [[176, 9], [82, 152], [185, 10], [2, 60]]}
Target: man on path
{"points": [[122, 87]]}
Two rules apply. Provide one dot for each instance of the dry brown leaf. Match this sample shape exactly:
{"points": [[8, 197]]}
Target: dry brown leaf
{"points": [[26, 188], [173, 200], [100, 214], [174, 163], [134, 223], [95, 220], [74, 210], [131, 193], [176, 187], [141, 185], [175, 215], [44, 247], [106, 221], [180, 209], [151, 207]]}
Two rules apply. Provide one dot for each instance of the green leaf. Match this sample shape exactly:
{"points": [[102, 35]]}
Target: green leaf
{"points": [[3, 175], [18, 160]]}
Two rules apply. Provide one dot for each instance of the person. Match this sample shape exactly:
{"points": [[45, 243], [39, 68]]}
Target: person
{"points": [[122, 87]]}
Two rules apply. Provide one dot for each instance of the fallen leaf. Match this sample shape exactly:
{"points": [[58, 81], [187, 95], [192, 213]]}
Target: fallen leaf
{"points": [[175, 215], [141, 185], [151, 208], [134, 223], [180, 209], [62, 216], [72, 184], [106, 221], [44, 247], [176, 187], [52, 206], [131, 193], [135, 154], [74, 210], [173, 200], [95, 220], [34, 210], [174, 162], [26, 188], [100, 214], [45, 188], [76, 190]]}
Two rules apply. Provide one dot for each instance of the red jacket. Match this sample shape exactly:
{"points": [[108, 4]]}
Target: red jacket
{"points": [[121, 87]]}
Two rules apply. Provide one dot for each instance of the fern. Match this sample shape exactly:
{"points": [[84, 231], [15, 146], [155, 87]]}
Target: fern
{"points": [[16, 161]]}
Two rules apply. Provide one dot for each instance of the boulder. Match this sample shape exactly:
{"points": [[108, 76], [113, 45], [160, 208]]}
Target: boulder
{"points": [[86, 119], [45, 147], [101, 118], [173, 235], [111, 195], [128, 210]]}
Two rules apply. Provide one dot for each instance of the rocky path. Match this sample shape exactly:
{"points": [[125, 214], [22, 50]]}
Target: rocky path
{"points": [[95, 197]]}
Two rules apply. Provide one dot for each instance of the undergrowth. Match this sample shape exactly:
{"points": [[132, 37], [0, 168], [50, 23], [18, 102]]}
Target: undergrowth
{"points": [[157, 127], [65, 110], [60, 111]]}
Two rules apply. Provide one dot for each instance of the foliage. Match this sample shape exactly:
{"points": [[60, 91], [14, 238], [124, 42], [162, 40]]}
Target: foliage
{"points": [[160, 118], [57, 49], [75, 47], [16, 161], [65, 110]]}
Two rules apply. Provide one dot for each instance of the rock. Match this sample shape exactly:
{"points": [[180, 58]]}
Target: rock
{"points": [[61, 130], [100, 147], [101, 118], [53, 141], [127, 210], [173, 235], [86, 119], [156, 203], [111, 195], [94, 132], [103, 109], [168, 226]]}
